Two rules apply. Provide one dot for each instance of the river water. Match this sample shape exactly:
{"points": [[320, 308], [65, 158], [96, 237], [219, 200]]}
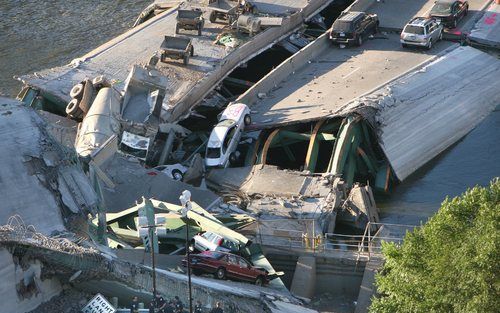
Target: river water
{"points": [[35, 35]]}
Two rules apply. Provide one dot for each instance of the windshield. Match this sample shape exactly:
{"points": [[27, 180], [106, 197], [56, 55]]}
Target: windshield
{"points": [[226, 123], [342, 26], [417, 30], [139, 153], [213, 153], [441, 8]]}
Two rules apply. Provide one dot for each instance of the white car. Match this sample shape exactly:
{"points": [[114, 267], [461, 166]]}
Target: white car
{"points": [[209, 241], [224, 139], [175, 171]]}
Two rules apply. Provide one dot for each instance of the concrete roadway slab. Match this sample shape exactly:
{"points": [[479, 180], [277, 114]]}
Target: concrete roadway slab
{"points": [[394, 14], [279, 6], [487, 29], [327, 84]]}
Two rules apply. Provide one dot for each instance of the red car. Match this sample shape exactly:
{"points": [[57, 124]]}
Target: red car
{"points": [[226, 265]]}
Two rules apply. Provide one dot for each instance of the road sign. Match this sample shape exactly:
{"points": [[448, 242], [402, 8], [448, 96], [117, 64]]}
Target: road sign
{"points": [[98, 304]]}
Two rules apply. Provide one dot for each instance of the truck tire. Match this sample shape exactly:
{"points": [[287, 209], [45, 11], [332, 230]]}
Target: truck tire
{"points": [[77, 91], [186, 60], [73, 109], [213, 17]]}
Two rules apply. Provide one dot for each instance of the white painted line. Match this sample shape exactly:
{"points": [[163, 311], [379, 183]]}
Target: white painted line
{"points": [[354, 71]]}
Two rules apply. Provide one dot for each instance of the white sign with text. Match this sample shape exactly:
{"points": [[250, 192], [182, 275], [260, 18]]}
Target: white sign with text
{"points": [[99, 304]]}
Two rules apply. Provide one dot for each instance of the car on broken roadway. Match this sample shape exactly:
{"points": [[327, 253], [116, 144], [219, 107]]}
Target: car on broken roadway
{"points": [[226, 265], [209, 241], [175, 171], [421, 32], [449, 12], [224, 139], [353, 28]]}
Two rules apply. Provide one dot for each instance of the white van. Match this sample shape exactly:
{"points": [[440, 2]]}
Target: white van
{"points": [[224, 139]]}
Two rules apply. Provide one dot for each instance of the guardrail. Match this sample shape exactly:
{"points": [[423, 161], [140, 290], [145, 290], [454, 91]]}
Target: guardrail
{"points": [[365, 245]]}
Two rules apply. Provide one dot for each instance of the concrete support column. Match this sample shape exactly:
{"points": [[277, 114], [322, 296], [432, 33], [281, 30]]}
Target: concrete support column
{"points": [[304, 277]]}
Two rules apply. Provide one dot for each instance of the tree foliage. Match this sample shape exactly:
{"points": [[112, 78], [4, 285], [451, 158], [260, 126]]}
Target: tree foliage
{"points": [[451, 264]]}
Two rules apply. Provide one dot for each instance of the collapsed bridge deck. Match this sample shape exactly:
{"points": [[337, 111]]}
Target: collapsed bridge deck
{"points": [[187, 85]]}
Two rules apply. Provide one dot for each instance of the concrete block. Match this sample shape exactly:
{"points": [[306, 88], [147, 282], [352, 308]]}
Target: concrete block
{"points": [[304, 278], [367, 288]]}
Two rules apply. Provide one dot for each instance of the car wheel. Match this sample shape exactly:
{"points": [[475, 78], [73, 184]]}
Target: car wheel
{"points": [[221, 273], [248, 120], [196, 272], [177, 175], [233, 158], [77, 91], [360, 40], [375, 29], [259, 281], [429, 46], [440, 36], [466, 11], [404, 45]]}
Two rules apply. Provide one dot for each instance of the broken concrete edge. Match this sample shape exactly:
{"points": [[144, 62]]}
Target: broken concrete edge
{"points": [[301, 59], [62, 258], [193, 98], [51, 169]]}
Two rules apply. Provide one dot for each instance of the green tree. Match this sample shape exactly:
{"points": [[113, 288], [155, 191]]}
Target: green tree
{"points": [[451, 264]]}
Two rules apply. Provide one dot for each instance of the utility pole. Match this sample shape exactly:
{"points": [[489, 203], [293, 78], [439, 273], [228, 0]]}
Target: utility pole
{"points": [[147, 220], [185, 199], [152, 252]]}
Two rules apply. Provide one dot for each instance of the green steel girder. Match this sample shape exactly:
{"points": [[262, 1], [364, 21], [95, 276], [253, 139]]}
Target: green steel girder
{"points": [[372, 167], [289, 153], [286, 134], [342, 146], [352, 156], [313, 148]]}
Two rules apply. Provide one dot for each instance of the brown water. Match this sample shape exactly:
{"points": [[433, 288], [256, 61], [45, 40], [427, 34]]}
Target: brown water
{"points": [[35, 35]]}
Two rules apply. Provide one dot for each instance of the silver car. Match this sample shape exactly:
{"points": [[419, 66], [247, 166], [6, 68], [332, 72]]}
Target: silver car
{"points": [[421, 32]]}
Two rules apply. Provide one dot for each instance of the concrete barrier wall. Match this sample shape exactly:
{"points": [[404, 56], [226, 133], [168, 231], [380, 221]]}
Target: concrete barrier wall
{"points": [[285, 69], [257, 45], [296, 61], [360, 5]]}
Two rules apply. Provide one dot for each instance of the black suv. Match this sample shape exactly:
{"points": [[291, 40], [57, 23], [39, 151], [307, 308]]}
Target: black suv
{"points": [[353, 28]]}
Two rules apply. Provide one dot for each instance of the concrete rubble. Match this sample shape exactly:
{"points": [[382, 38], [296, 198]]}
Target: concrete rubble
{"points": [[82, 191]]}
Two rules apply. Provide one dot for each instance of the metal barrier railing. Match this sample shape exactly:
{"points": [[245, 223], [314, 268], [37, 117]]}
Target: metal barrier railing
{"points": [[364, 245], [373, 243]]}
